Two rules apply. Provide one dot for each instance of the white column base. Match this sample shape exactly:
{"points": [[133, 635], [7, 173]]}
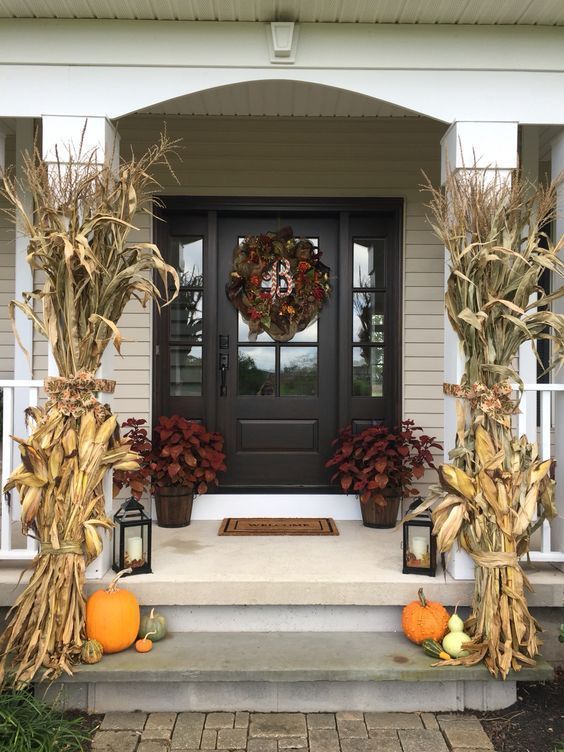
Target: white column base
{"points": [[460, 566]]}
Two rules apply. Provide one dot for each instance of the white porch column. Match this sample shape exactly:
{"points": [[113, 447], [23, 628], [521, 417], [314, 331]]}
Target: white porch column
{"points": [[557, 152], [23, 282], [529, 163], [469, 145], [23, 364], [66, 138], [3, 134]]}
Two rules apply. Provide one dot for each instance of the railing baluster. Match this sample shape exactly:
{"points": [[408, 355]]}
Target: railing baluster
{"points": [[522, 416], [33, 398], [545, 425], [7, 426]]}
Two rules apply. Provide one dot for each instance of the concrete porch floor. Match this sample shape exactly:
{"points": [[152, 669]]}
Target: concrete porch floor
{"points": [[360, 567]]}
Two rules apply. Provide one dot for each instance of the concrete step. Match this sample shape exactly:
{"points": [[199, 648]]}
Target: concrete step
{"points": [[284, 671]]}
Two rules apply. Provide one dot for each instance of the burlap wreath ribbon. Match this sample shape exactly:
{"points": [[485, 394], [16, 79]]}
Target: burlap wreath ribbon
{"points": [[75, 395], [494, 401]]}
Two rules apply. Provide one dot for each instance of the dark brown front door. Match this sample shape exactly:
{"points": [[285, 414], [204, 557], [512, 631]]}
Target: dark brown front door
{"points": [[280, 405]]}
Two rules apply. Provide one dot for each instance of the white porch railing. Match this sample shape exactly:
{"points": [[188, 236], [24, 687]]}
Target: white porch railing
{"points": [[549, 393], [29, 389]]}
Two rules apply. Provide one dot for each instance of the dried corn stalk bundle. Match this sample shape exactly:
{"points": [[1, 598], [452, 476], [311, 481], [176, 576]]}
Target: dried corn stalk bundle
{"points": [[489, 496], [78, 234]]}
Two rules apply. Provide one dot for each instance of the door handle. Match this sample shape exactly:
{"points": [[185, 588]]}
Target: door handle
{"points": [[223, 366]]}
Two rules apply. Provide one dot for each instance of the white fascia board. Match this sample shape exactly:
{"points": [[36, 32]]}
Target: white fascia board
{"points": [[345, 46], [32, 91]]}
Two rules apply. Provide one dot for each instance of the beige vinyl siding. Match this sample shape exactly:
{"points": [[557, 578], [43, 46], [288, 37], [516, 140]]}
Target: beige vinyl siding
{"points": [[7, 278]]}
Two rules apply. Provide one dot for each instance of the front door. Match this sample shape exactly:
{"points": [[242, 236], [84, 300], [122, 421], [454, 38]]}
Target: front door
{"points": [[280, 404], [278, 409]]}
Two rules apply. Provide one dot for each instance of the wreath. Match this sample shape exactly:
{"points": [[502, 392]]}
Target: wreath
{"points": [[278, 283]]}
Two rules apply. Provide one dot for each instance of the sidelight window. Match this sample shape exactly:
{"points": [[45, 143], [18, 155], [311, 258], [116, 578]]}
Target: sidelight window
{"points": [[368, 303], [186, 318]]}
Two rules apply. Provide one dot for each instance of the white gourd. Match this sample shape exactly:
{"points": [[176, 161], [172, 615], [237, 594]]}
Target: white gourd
{"points": [[455, 623], [452, 644]]}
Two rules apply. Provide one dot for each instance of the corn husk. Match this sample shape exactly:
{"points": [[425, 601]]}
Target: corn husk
{"points": [[496, 490], [79, 241]]}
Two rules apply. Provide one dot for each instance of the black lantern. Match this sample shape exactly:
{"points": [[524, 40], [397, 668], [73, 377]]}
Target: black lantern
{"points": [[419, 544], [132, 538]]}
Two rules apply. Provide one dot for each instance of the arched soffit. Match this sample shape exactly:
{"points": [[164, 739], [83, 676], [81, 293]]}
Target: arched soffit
{"points": [[278, 98], [280, 94]]}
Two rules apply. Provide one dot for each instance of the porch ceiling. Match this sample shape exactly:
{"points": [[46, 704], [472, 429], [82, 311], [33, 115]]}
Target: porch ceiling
{"points": [[525, 12], [278, 98]]}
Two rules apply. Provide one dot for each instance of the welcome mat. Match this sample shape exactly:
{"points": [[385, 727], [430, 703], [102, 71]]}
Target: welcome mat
{"points": [[278, 526]]}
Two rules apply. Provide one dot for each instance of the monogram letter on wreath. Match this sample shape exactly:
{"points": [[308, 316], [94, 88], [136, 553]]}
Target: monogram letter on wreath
{"points": [[278, 283]]}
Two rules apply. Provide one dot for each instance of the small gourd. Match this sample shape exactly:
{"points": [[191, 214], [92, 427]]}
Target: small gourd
{"points": [[144, 645], [91, 651], [112, 617], [153, 623], [424, 619], [453, 642], [455, 623], [434, 649]]}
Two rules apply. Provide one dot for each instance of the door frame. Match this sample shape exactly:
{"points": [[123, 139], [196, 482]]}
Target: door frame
{"points": [[212, 206]]}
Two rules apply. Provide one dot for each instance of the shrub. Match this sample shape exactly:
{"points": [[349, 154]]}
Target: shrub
{"points": [[29, 725]]}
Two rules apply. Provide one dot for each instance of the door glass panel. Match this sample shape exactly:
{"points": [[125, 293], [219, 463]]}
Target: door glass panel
{"points": [[187, 257], [369, 262], [185, 371], [256, 368], [243, 334], [309, 334], [298, 371], [368, 317], [368, 371], [186, 315]]}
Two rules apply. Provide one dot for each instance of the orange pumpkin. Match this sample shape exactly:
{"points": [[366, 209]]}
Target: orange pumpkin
{"points": [[112, 617], [145, 644], [423, 620]]}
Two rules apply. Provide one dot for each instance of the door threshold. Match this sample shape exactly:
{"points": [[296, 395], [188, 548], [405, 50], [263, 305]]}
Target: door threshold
{"points": [[276, 490], [217, 506]]}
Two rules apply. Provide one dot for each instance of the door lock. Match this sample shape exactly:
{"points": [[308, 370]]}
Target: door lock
{"points": [[223, 366]]}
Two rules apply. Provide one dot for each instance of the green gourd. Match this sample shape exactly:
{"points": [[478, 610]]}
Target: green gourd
{"points": [[91, 651], [452, 644], [434, 649], [153, 625]]}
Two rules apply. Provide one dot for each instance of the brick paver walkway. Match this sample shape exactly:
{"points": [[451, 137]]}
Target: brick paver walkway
{"points": [[283, 732]]}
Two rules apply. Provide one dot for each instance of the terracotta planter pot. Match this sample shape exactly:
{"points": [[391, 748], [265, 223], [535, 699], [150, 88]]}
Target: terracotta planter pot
{"points": [[382, 517], [174, 506]]}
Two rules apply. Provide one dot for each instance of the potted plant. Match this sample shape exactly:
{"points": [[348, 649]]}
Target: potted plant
{"points": [[137, 480], [379, 465], [184, 461]]}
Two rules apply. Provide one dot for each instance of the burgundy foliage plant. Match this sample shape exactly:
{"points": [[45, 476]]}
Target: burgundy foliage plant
{"points": [[382, 458], [185, 454]]}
